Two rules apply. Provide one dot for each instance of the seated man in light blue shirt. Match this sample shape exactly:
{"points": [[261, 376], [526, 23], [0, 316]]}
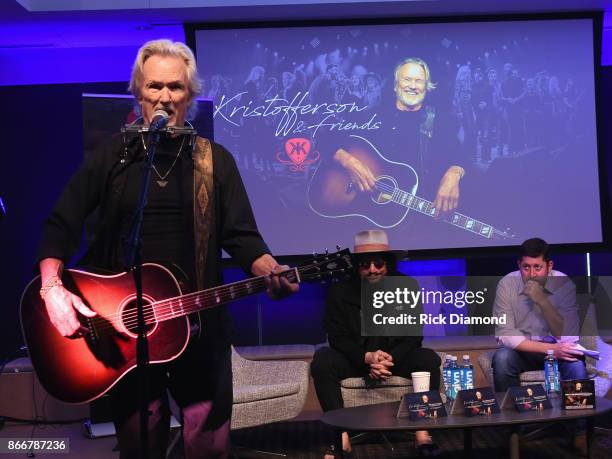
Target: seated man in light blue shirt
{"points": [[541, 314]]}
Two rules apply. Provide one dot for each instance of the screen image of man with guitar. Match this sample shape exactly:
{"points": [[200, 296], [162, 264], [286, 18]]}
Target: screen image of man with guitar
{"points": [[412, 83], [197, 206], [411, 161]]}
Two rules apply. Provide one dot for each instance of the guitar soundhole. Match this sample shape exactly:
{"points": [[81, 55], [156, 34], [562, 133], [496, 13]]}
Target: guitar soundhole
{"points": [[129, 319], [385, 187]]}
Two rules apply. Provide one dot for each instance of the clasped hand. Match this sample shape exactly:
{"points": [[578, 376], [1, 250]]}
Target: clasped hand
{"points": [[380, 363]]}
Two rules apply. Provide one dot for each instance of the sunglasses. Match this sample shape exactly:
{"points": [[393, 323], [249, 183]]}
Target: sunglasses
{"points": [[367, 262]]}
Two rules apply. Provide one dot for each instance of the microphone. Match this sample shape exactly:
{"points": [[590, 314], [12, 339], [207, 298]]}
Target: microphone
{"points": [[159, 121]]}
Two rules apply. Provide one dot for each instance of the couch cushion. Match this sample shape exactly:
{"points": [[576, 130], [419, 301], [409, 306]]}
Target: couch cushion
{"points": [[255, 393], [359, 383], [460, 343], [277, 352], [532, 376]]}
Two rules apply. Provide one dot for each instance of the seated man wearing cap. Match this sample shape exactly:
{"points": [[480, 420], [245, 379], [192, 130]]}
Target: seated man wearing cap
{"points": [[376, 358]]}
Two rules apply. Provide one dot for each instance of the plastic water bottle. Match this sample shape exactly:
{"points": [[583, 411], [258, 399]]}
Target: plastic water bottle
{"points": [[446, 375], [467, 373], [455, 377], [551, 371]]}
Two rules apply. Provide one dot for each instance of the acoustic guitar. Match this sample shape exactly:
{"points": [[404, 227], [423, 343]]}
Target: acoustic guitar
{"points": [[332, 194], [78, 370]]}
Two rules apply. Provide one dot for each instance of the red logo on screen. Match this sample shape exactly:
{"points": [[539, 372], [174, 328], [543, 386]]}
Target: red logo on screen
{"points": [[298, 150]]}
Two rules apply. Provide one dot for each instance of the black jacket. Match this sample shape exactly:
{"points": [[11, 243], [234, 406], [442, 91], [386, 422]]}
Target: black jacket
{"points": [[98, 187], [343, 327]]}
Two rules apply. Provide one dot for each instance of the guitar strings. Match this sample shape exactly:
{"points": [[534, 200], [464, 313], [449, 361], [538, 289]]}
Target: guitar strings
{"points": [[195, 298], [161, 310], [166, 309], [392, 190], [389, 189]]}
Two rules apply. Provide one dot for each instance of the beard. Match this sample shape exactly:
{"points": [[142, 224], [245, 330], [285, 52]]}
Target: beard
{"points": [[410, 99], [538, 279], [373, 278]]}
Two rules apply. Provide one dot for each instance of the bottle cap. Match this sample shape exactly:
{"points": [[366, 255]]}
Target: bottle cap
{"points": [[550, 352], [466, 357], [454, 357]]}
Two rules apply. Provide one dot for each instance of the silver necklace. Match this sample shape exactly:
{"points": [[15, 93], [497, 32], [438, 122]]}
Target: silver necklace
{"points": [[162, 182]]}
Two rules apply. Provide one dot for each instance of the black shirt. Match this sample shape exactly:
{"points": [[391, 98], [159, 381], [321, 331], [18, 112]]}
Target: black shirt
{"points": [[105, 185]]}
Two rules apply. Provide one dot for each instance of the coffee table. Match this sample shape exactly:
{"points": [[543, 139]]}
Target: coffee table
{"points": [[382, 417]]}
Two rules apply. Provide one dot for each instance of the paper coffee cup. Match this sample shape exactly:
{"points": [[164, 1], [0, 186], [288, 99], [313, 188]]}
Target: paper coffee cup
{"points": [[420, 381]]}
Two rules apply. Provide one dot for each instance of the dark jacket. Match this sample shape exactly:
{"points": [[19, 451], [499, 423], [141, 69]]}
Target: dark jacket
{"points": [[99, 185], [343, 327]]}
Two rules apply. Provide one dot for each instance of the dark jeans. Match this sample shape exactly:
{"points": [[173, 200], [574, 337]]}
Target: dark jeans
{"points": [[200, 381], [508, 364], [329, 367]]}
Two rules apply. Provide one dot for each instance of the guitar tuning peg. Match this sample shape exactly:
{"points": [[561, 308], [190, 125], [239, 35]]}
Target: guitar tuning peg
{"points": [[326, 252]]}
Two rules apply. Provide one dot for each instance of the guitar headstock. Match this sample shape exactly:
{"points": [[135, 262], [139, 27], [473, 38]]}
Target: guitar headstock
{"points": [[508, 234], [327, 266]]}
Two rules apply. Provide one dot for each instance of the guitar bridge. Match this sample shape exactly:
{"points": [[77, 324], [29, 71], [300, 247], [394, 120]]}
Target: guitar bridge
{"points": [[93, 333]]}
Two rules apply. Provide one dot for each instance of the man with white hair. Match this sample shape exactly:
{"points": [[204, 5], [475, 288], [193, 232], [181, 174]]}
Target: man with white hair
{"points": [[376, 358], [197, 206], [414, 132]]}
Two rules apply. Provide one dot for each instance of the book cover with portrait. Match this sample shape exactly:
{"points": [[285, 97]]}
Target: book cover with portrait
{"points": [[530, 398], [578, 394], [421, 405], [479, 402]]}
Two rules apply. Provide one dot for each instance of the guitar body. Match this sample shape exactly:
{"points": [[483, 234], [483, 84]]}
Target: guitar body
{"points": [[78, 370], [332, 194], [82, 369]]}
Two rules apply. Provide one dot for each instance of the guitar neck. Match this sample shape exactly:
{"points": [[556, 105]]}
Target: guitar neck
{"points": [[189, 303], [426, 207]]}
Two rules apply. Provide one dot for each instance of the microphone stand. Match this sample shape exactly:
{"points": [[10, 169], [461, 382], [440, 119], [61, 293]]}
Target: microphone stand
{"points": [[134, 262]]}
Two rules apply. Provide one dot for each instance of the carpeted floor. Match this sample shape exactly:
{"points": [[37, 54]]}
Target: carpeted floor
{"points": [[307, 440]]}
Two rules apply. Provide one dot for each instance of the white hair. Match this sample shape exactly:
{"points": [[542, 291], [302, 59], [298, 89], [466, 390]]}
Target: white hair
{"points": [[415, 60], [164, 47]]}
